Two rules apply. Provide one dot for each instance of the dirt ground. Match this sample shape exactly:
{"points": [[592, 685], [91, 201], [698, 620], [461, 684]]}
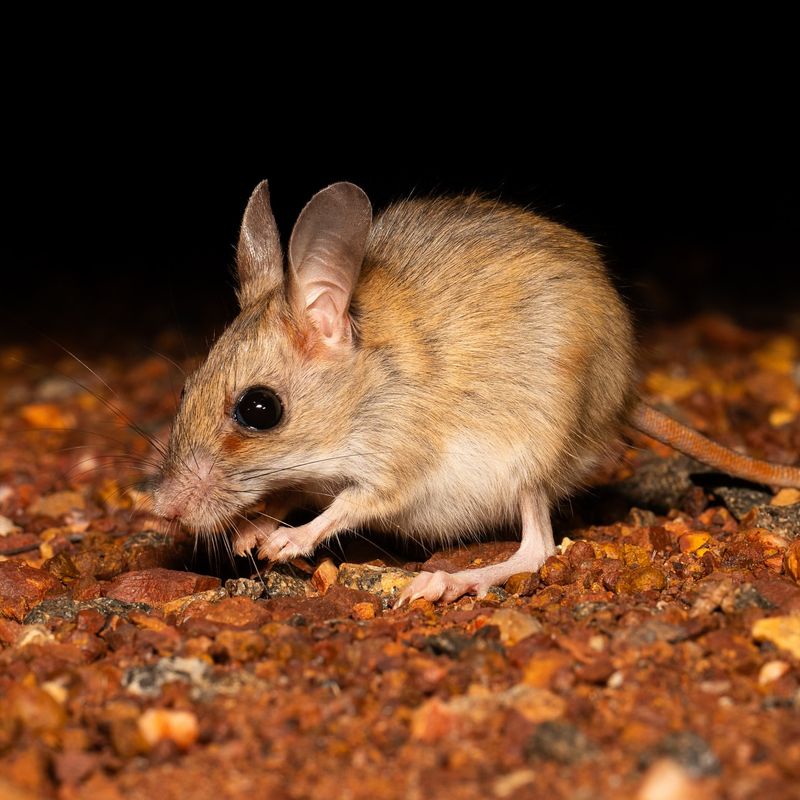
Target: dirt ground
{"points": [[656, 657]]}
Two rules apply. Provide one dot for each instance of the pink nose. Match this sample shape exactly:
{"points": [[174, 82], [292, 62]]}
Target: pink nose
{"points": [[169, 508]]}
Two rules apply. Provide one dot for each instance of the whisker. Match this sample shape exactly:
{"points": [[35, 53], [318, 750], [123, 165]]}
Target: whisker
{"points": [[82, 363], [267, 473], [107, 403], [167, 359]]}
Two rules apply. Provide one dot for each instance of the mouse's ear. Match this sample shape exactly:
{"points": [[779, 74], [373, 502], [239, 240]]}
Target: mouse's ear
{"points": [[259, 261], [325, 255]]}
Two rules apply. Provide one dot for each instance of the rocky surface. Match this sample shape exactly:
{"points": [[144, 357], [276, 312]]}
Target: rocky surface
{"points": [[656, 655]]}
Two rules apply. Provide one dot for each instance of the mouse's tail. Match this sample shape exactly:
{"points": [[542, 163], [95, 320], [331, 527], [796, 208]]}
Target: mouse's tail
{"points": [[667, 430]]}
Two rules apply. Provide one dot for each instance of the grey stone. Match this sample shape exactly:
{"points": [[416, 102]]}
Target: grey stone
{"points": [[244, 587], [65, 608], [559, 741]]}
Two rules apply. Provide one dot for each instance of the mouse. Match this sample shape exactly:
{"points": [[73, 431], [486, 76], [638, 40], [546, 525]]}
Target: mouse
{"points": [[444, 368]]}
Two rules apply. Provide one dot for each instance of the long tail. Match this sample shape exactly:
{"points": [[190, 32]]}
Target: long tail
{"points": [[647, 420]]}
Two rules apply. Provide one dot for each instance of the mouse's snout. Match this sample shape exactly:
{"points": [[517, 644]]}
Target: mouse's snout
{"points": [[166, 503], [186, 491]]}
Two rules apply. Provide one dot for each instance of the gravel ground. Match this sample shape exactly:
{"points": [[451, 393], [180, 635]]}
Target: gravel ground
{"points": [[657, 656]]}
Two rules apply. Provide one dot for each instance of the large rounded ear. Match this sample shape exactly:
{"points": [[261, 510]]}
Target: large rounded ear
{"points": [[259, 261], [325, 255]]}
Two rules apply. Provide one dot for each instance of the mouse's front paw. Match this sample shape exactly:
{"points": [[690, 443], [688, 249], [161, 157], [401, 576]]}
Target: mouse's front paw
{"points": [[251, 535], [287, 543]]}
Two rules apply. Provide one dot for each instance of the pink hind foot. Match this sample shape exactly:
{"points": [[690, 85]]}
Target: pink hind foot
{"points": [[444, 586], [537, 544]]}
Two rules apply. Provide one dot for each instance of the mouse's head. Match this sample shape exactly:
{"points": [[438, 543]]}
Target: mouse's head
{"points": [[272, 405]]}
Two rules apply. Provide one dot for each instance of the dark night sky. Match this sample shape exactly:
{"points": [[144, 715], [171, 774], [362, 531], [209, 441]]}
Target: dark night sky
{"points": [[128, 230]]}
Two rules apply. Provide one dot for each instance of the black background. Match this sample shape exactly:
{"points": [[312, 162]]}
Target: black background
{"points": [[122, 228]]}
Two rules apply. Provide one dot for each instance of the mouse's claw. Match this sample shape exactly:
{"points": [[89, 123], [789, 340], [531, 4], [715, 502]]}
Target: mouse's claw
{"points": [[286, 543], [444, 586], [251, 535]]}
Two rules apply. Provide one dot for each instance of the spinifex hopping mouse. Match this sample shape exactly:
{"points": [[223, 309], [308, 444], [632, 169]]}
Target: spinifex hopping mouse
{"points": [[453, 365]]}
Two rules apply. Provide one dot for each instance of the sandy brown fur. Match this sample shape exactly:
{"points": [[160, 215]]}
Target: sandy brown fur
{"points": [[491, 354]]}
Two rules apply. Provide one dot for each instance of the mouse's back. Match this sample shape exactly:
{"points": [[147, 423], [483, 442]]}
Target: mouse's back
{"points": [[505, 331]]}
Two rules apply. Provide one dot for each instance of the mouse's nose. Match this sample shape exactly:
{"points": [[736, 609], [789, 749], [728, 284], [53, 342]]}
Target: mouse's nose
{"points": [[170, 508]]}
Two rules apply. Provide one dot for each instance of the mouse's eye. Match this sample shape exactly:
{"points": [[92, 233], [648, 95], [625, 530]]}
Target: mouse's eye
{"points": [[259, 409]]}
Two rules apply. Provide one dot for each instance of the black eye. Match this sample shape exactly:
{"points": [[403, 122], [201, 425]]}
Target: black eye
{"points": [[259, 409]]}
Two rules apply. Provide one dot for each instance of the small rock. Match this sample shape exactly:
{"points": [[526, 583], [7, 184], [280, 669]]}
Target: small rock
{"points": [[509, 785], [159, 724], [556, 570], [10, 631], [56, 388], [7, 526], [660, 539], [641, 579], [590, 608], [771, 671], [61, 566], [616, 680], [433, 720], [240, 645], [345, 599], [783, 632], [514, 625], [34, 635], [651, 631], [179, 607], [21, 587], [73, 766], [244, 587], [579, 552], [786, 497], [559, 741], [58, 504], [158, 585], [740, 501], [495, 594], [744, 597], [694, 543], [523, 584], [47, 415], [126, 738], [778, 519], [535, 704], [238, 612], [35, 709], [541, 670], [363, 611], [660, 484], [791, 560], [635, 555], [779, 592], [325, 576], [386, 582], [781, 416], [57, 691], [280, 584], [436, 719], [468, 556], [450, 642], [642, 517], [597, 671], [66, 608], [666, 780], [691, 751], [148, 681]]}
